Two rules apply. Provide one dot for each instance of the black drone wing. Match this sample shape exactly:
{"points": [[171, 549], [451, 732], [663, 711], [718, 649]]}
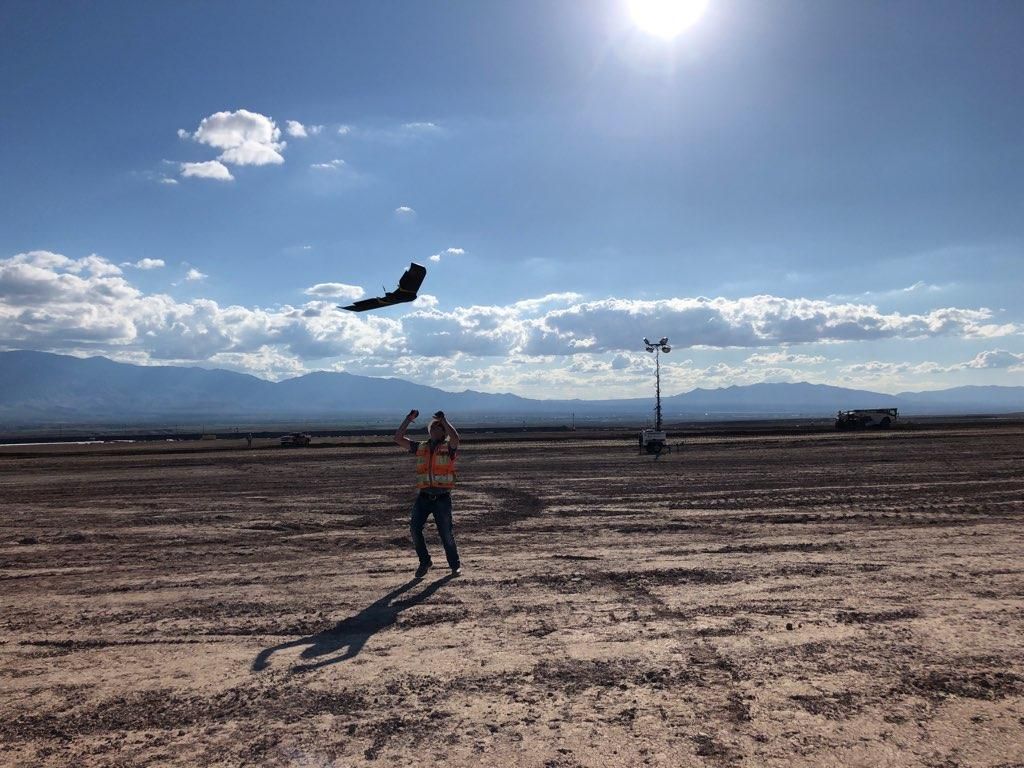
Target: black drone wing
{"points": [[364, 304], [408, 285], [412, 279]]}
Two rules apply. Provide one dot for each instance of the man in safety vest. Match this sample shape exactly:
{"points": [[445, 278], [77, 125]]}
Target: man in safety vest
{"points": [[435, 478]]}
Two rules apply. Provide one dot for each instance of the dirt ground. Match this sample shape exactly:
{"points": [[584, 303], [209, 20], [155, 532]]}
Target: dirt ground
{"points": [[774, 600]]}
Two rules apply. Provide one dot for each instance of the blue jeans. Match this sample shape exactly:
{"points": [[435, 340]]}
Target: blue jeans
{"points": [[441, 508]]}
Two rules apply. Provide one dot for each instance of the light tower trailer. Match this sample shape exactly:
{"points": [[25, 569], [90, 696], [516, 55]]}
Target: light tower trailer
{"points": [[867, 418], [655, 440]]}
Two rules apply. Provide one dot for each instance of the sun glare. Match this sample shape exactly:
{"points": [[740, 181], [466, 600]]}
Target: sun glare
{"points": [[666, 18]]}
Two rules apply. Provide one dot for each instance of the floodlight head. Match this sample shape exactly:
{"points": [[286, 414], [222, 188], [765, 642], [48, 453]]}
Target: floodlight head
{"points": [[646, 341], [664, 341], [666, 348], [650, 347]]}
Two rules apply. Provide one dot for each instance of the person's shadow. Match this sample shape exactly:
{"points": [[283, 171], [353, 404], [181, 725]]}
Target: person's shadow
{"points": [[353, 632]]}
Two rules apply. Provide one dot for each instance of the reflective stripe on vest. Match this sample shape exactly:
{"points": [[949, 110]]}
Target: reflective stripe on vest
{"points": [[434, 469]]}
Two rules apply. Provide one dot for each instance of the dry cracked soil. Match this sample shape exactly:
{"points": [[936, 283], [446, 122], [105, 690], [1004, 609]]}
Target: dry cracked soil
{"points": [[769, 600]]}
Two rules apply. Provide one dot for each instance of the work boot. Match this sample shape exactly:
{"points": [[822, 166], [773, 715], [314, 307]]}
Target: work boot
{"points": [[457, 571], [422, 570]]}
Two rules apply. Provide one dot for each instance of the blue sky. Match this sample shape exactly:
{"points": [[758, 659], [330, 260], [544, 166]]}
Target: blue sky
{"points": [[824, 191]]}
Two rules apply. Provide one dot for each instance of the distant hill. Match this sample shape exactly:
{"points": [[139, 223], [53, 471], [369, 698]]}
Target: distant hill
{"points": [[791, 399], [971, 399], [43, 388]]}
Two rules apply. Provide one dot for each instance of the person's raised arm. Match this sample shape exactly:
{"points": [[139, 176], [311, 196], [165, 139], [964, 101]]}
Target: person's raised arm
{"points": [[453, 435], [400, 438]]}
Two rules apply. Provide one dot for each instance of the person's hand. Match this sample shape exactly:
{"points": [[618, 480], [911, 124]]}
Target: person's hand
{"points": [[413, 414]]}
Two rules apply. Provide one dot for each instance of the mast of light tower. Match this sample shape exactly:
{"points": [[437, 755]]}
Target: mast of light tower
{"points": [[657, 348]]}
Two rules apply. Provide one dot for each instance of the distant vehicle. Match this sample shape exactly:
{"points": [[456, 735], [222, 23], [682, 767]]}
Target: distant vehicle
{"points": [[867, 418], [296, 439], [652, 441]]}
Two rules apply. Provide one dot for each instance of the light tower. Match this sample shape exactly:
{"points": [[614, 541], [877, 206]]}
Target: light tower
{"points": [[657, 348]]}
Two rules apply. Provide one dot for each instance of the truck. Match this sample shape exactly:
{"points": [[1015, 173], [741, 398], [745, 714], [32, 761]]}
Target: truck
{"points": [[653, 441], [296, 439], [867, 418]]}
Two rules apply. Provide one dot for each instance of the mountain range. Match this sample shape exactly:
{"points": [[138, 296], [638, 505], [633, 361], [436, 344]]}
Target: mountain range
{"points": [[45, 388]]}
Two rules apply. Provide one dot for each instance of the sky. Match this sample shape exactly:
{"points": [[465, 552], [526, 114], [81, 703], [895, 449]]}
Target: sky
{"points": [[789, 191]]}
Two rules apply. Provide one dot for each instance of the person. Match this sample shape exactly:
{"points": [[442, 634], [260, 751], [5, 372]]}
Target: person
{"points": [[435, 478]]}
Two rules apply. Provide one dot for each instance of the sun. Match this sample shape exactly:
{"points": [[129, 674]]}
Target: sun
{"points": [[666, 18]]}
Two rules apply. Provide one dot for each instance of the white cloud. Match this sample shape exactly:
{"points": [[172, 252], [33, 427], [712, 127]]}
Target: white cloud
{"points": [[785, 358], [48, 301], [900, 375], [995, 358], [425, 301], [97, 266], [183, 134], [335, 291], [331, 165], [246, 138], [168, 180], [44, 260], [145, 264], [296, 129], [920, 285], [875, 370], [211, 169], [404, 210], [253, 153], [620, 362], [614, 325], [194, 275], [267, 362], [422, 127], [447, 252], [555, 345], [757, 321], [299, 131], [49, 261], [535, 305], [398, 134]]}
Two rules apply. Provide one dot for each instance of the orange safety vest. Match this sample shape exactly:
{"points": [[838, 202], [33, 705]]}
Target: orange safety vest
{"points": [[434, 468]]}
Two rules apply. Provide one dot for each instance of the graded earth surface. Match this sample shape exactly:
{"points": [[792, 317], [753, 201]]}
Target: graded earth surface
{"points": [[765, 600]]}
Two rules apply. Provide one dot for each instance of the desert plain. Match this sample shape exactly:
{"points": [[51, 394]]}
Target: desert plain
{"points": [[775, 599]]}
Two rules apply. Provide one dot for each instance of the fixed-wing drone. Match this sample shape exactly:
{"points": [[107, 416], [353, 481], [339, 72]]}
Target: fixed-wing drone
{"points": [[409, 283]]}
